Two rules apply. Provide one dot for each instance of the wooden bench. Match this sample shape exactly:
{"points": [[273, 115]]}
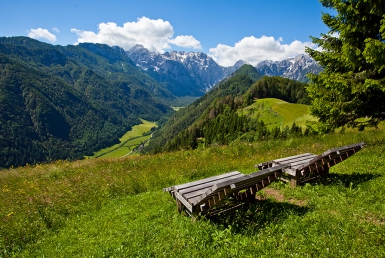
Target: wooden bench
{"points": [[206, 195], [210, 195], [308, 166]]}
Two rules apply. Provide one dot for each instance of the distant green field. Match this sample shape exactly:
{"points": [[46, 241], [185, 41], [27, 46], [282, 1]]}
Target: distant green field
{"points": [[275, 112], [127, 143]]}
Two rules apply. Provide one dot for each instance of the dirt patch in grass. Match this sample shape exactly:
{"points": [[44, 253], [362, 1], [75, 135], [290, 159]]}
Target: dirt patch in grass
{"points": [[277, 195], [373, 219]]}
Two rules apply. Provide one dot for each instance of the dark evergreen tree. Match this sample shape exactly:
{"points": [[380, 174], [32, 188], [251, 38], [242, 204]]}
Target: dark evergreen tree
{"points": [[352, 84]]}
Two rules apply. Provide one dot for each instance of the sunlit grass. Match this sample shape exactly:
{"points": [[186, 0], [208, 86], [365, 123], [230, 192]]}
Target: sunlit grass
{"points": [[279, 113], [115, 206], [290, 112]]}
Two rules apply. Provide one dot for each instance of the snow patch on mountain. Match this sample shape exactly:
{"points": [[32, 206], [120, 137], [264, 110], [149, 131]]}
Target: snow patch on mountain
{"points": [[193, 73]]}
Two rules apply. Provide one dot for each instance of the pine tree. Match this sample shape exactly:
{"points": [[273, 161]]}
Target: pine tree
{"points": [[352, 85]]}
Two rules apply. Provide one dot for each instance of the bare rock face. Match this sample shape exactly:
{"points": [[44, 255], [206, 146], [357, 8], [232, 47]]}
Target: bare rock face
{"points": [[194, 73], [185, 74], [293, 68]]}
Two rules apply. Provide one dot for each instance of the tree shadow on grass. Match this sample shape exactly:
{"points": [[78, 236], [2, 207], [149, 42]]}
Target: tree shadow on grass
{"points": [[347, 180], [256, 216]]}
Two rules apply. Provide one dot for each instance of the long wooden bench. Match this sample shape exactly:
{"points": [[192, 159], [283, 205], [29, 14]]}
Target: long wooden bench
{"points": [[308, 166], [206, 195]]}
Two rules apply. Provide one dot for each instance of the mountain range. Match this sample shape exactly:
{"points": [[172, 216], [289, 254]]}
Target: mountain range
{"points": [[184, 74], [294, 68], [194, 73]]}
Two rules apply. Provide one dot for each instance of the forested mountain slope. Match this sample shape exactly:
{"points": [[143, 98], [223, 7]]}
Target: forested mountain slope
{"points": [[238, 83], [64, 102], [281, 88], [238, 117], [67, 62]]}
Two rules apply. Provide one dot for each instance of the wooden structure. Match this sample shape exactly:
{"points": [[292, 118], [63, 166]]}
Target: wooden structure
{"points": [[211, 195], [308, 166], [204, 196]]}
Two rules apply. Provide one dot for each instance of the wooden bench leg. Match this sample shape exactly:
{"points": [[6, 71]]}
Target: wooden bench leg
{"points": [[294, 181], [180, 206]]}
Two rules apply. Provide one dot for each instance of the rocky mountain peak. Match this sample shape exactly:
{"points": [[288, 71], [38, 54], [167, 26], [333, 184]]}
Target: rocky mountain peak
{"points": [[191, 69], [239, 64], [294, 68], [197, 72]]}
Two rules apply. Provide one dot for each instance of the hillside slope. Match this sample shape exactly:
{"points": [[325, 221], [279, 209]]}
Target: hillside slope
{"points": [[43, 118], [66, 102], [234, 117], [279, 113], [236, 85]]}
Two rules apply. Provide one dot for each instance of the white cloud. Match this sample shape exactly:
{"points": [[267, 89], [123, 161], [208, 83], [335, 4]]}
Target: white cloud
{"points": [[186, 42], [254, 50], [40, 33], [56, 30], [155, 35]]}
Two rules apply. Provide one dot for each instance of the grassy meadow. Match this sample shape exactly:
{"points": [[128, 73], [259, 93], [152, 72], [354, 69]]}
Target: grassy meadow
{"points": [[278, 113], [115, 207], [127, 142]]}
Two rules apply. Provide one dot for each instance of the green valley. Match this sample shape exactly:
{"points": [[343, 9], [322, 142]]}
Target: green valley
{"points": [[138, 135]]}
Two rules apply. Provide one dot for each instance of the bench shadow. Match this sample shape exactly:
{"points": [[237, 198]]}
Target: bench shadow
{"points": [[256, 216], [346, 180]]}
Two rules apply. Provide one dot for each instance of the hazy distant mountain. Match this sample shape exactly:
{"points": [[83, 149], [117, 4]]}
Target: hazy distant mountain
{"points": [[184, 74], [293, 68]]}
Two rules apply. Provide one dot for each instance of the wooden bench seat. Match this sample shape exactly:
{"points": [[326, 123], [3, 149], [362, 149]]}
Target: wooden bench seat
{"points": [[204, 195], [309, 165]]}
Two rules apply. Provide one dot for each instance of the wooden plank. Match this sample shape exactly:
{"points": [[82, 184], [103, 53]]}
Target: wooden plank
{"points": [[206, 185], [251, 179], [197, 200], [182, 186], [251, 184], [293, 158], [294, 162], [289, 159], [356, 146], [184, 202], [257, 176], [334, 156], [205, 180], [198, 192], [298, 163]]}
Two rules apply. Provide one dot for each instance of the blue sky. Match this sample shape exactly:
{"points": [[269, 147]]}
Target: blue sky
{"points": [[251, 30]]}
